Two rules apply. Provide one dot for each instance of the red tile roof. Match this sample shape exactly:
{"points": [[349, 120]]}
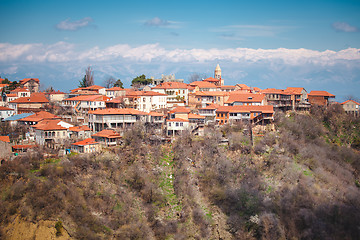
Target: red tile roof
{"points": [[5, 139], [276, 91], [25, 80], [144, 93], [115, 89], [177, 120], [39, 116], [107, 133], [46, 125], [91, 98], [195, 116], [88, 141], [227, 87], [173, 85], [211, 79], [6, 109], [79, 128], [156, 114], [248, 108], [350, 101], [245, 97], [211, 107], [117, 111], [34, 98], [11, 95], [21, 89], [243, 86], [210, 93], [203, 84], [295, 90], [321, 93], [18, 147], [180, 110]]}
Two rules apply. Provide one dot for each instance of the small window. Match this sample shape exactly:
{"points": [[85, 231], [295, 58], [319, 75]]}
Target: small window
{"points": [[177, 124]]}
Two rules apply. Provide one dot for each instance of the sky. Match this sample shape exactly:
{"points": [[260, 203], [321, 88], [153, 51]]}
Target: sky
{"points": [[267, 44]]}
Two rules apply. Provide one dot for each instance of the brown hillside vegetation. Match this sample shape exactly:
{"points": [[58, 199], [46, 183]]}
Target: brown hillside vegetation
{"points": [[300, 181]]}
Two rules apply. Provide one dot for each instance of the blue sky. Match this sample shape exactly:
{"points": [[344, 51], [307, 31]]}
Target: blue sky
{"points": [[314, 44]]}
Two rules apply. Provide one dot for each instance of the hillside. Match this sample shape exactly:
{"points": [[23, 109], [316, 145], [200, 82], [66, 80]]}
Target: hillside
{"points": [[299, 181]]}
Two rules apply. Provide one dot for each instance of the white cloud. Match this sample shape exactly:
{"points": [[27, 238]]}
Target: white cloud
{"points": [[66, 52], [67, 25], [344, 27], [156, 22], [162, 23]]}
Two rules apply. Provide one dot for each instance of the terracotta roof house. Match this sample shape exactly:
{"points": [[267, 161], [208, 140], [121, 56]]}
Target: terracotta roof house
{"points": [[203, 98], [88, 145], [86, 102], [22, 148], [176, 126], [177, 92], [204, 86], [35, 103], [254, 114], [227, 88], [107, 137], [115, 118], [51, 133], [31, 83], [209, 112], [80, 132], [146, 101], [56, 96], [117, 92], [320, 98], [156, 118], [280, 99], [179, 112], [94, 89], [351, 107], [241, 98], [21, 92], [37, 117]]}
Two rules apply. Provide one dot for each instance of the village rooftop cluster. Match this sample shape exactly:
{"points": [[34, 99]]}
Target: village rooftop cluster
{"points": [[90, 118]]}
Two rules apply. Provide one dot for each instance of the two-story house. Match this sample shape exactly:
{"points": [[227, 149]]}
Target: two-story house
{"points": [[146, 101], [177, 92], [351, 107], [117, 118], [30, 83], [84, 103]]}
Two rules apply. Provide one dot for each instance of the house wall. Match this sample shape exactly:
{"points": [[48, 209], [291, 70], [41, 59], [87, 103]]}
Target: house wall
{"points": [[318, 100], [6, 113]]}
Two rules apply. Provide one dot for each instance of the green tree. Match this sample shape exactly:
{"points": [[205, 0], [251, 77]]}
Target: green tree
{"points": [[5, 81], [119, 84], [141, 80], [82, 83]]}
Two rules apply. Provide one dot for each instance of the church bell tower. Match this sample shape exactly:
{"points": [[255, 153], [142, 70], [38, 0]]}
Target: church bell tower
{"points": [[217, 75]]}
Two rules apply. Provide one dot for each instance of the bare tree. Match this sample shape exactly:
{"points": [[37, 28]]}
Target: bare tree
{"points": [[109, 82], [89, 76]]}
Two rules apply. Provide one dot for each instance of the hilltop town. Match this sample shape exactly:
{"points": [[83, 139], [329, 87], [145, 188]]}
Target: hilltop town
{"points": [[170, 160], [89, 118]]}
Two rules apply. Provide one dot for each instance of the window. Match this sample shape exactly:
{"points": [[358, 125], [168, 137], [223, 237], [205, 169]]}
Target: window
{"points": [[177, 124], [181, 124], [169, 124]]}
